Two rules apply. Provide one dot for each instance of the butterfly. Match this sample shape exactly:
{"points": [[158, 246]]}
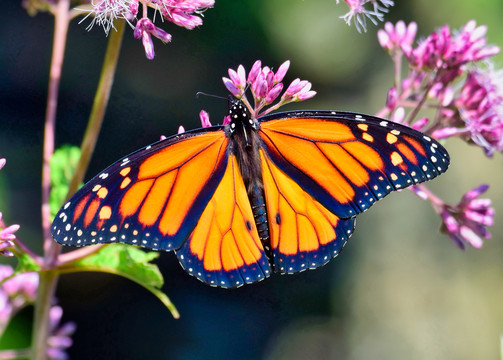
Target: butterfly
{"points": [[239, 201]]}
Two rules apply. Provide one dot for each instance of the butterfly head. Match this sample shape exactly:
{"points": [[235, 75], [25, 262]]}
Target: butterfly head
{"points": [[240, 117]]}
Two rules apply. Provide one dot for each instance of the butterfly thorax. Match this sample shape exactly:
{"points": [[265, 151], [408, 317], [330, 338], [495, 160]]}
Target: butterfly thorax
{"points": [[245, 144]]}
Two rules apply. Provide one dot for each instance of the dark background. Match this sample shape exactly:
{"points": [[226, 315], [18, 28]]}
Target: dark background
{"points": [[399, 290]]}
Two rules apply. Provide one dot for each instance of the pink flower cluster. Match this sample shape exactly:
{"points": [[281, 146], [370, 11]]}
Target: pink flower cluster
{"points": [[185, 13], [442, 49], [447, 70], [266, 86], [481, 109], [467, 221], [450, 72], [477, 113]]}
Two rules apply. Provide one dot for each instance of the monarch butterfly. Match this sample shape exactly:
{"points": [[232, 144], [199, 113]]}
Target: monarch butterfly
{"points": [[236, 202]]}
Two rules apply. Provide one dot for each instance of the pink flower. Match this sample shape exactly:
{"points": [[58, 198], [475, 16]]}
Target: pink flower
{"points": [[227, 120], [398, 37], [60, 338], [105, 12], [392, 98], [144, 28], [466, 222], [481, 109], [6, 237], [420, 124], [359, 10], [205, 119], [238, 79]]}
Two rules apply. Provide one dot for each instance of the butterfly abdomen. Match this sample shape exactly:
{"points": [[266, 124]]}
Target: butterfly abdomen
{"points": [[257, 202]]}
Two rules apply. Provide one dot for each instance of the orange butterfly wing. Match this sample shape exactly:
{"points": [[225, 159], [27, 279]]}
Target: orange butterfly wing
{"points": [[303, 233], [224, 249], [153, 197], [320, 169], [348, 161]]}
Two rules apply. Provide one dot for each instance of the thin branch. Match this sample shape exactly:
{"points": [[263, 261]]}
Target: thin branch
{"points": [[58, 52], [421, 102], [78, 254]]}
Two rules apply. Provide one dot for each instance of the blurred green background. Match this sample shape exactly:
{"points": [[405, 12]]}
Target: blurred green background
{"points": [[400, 290]]}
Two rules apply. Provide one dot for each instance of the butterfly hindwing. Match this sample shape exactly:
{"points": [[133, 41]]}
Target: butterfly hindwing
{"points": [[224, 248], [151, 198], [349, 161], [303, 233]]}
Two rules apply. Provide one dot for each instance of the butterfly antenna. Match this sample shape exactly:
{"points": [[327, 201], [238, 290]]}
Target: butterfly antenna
{"points": [[248, 84], [209, 95]]}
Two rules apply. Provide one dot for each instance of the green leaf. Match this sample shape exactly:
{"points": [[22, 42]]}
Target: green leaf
{"points": [[63, 164], [26, 264], [129, 262]]}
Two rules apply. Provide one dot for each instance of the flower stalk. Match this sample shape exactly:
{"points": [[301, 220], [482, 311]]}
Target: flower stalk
{"points": [[48, 279], [59, 43], [41, 330], [99, 104]]}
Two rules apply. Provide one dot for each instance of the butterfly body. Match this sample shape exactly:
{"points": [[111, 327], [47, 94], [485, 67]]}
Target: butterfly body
{"points": [[237, 202]]}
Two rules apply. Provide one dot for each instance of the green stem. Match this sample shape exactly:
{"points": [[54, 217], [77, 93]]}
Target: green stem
{"points": [[47, 282], [397, 62], [78, 254], [99, 104], [58, 52], [46, 289]]}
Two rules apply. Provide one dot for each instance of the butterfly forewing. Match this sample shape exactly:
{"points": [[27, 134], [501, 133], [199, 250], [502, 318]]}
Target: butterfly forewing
{"points": [[349, 161], [153, 197]]}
